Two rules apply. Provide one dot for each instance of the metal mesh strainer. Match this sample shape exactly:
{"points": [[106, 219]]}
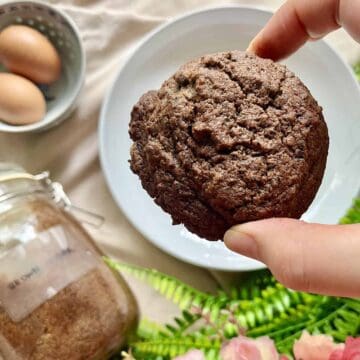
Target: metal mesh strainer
{"points": [[60, 29]]}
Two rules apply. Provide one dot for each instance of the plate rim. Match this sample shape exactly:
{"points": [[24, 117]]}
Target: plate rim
{"points": [[106, 100]]}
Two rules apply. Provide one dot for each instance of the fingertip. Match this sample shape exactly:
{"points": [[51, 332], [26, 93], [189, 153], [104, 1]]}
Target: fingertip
{"points": [[241, 242], [300, 254], [230, 239], [251, 48], [259, 47]]}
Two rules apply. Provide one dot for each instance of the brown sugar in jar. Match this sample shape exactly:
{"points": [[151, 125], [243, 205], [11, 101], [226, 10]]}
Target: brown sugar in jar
{"points": [[58, 300]]}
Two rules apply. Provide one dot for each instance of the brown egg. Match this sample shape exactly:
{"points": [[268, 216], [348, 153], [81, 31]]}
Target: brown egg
{"points": [[27, 52], [21, 102]]}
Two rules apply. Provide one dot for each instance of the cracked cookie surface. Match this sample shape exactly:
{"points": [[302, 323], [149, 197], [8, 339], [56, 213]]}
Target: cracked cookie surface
{"points": [[229, 138]]}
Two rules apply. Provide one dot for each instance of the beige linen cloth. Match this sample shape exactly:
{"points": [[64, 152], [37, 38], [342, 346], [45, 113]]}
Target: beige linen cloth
{"points": [[110, 29]]}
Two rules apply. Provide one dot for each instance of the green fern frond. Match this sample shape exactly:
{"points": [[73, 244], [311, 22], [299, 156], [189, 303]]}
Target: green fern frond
{"points": [[272, 302], [339, 318], [182, 323], [357, 70], [173, 289], [253, 285], [261, 305], [353, 214], [148, 329], [183, 295], [277, 312], [171, 347]]}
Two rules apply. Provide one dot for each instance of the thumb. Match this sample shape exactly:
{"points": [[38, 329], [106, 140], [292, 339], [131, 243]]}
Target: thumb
{"points": [[315, 258]]}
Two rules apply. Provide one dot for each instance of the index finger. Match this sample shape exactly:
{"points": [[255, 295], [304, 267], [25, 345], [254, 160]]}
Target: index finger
{"points": [[293, 24]]}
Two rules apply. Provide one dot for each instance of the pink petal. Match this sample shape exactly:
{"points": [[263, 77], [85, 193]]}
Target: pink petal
{"points": [[267, 348], [240, 348], [243, 348], [314, 347], [336, 355], [352, 349]]}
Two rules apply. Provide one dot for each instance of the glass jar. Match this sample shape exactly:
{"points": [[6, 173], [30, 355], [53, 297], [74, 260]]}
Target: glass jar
{"points": [[58, 299]]}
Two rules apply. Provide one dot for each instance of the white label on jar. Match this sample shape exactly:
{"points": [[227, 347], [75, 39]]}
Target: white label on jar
{"points": [[34, 272]]}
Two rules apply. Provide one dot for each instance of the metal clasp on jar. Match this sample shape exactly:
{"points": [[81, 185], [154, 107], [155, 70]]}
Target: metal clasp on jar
{"points": [[59, 196]]}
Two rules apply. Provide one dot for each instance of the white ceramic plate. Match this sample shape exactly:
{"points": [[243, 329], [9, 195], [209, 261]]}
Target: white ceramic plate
{"points": [[219, 29]]}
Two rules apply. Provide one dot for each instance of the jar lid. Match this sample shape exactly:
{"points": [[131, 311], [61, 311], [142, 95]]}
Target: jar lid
{"points": [[15, 182], [10, 170]]}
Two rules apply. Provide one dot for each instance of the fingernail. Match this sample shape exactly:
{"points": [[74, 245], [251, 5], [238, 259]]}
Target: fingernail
{"points": [[241, 242], [251, 48]]}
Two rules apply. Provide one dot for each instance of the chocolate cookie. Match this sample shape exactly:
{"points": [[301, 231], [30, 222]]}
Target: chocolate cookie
{"points": [[229, 138]]}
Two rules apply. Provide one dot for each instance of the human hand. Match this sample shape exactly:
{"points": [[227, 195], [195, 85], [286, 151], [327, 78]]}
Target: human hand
{"points": [[298, 21], [316, 258], [309, 257]]}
